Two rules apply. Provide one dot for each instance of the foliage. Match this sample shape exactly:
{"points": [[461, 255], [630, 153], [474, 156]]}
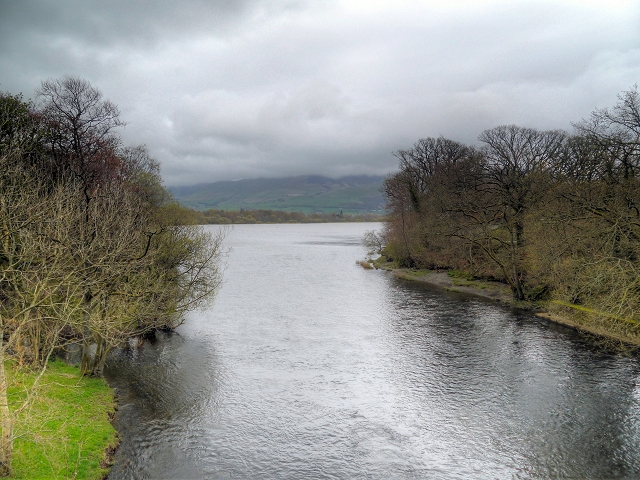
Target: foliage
{"points": [[93, 249], [555, 215]]}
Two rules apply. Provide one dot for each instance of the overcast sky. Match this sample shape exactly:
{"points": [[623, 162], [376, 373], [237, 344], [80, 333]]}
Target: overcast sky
{"points": [[228, 89]]}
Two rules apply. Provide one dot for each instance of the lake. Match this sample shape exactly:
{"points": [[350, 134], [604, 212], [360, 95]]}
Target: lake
{"points": [[309, 366]]}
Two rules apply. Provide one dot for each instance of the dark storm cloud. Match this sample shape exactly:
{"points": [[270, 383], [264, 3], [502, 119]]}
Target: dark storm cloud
{"points": [[100, 24], [222, 90]]}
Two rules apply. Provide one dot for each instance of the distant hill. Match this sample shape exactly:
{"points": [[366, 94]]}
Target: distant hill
{"points": [[307, 194]]}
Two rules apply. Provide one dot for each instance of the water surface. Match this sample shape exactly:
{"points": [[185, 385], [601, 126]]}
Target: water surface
{"points": [[308, 366]]}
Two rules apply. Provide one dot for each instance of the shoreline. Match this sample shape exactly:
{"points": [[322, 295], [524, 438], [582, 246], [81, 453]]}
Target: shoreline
{"points": [[441, 279], [499, 293]]}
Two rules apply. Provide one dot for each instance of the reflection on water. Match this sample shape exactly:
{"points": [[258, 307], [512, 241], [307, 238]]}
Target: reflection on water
{"points": [[309, 366]]}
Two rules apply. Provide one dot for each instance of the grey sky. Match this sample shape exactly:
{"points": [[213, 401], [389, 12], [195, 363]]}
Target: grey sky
{"points": [[221, 90]]}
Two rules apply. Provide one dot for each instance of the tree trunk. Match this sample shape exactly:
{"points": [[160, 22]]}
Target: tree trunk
{"points": [[100, 359], [518, 292], [86, 360], [516, 240], [6, 422], [34, 341]]}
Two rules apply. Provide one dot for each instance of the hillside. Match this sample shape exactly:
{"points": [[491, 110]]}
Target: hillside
{"points": [[307, 194]]}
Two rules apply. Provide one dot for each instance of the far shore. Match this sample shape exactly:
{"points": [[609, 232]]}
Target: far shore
{"points": [[497, 292]]}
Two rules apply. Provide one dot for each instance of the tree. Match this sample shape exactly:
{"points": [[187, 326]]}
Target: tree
{"points": [[373, 242], [83, 146], [81, 128], [554, 215], [36, 283], [91, 243], [420, 197], [599, 183], [519, 162], [423, 162]]}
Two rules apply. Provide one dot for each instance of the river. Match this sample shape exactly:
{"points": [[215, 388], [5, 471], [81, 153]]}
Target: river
{"points": [[309, 366]]}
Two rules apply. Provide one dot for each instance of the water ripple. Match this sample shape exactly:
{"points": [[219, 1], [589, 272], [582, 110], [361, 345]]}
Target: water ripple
{"points": [[308, 366]]}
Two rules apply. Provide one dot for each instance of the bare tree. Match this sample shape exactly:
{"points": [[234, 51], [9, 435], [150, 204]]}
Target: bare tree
{"points": [[39, 281], [373, 242], [518, 173]]}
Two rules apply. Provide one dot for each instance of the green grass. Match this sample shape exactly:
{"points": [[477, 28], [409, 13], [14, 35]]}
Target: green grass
{"points": [[65, 431], [460, 276], [410, 274], [464, 279]]}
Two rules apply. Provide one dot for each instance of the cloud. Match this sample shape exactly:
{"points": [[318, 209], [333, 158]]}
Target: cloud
{"points": [[231, 89]]}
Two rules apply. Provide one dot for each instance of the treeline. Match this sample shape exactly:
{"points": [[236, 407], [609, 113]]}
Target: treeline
{"points": [[222, 217], [554, 214], [93, 250]]}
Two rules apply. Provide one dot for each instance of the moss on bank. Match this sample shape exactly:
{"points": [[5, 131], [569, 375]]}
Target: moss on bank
{"points": [[66, 430], [617, 329]]}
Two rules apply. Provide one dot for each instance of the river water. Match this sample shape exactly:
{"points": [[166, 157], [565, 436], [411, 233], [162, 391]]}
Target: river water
{"points": [[309, 366]]}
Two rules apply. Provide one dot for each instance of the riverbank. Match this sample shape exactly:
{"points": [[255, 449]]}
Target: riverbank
{"points": [[618, 331], [66, 431], [451, 281]]}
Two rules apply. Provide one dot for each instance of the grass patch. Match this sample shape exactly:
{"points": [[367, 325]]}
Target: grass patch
{"points": [[610, 330], [407, 273], [412, 274], [599, 322], [66, 429], [582, 308], [460, 275], [463, 279]]}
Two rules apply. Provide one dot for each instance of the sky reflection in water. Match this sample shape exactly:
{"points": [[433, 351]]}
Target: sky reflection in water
{"points": [[308, 366]]}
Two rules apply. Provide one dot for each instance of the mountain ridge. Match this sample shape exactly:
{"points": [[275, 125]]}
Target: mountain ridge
{"points": [[305, 193]]}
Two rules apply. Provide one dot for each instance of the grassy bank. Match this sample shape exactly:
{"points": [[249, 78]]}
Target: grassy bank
{"points": [[66, 429], [609, 328]]}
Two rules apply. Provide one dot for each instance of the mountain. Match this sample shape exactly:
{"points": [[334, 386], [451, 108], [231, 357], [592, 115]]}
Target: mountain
{"points": [[307, 194]]}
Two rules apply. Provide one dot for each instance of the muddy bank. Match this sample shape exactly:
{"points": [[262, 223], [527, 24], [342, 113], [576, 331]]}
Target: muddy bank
{"points": [[495, 291], [489, 290]]}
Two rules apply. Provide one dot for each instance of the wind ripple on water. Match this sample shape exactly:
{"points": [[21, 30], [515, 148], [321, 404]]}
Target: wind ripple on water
{"points": [[311, 367]]}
